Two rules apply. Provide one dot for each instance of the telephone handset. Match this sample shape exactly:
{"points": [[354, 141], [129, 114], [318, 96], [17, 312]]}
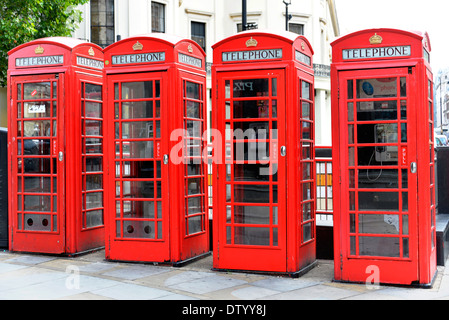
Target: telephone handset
{"points": [[386, 133]]}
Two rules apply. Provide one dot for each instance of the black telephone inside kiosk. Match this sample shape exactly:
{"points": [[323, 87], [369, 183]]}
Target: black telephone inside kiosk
{"points": [[386, 133]]}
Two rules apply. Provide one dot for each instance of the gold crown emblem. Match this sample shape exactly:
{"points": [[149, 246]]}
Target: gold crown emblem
{"points": [[137, 46], [39, 50], [251, 42], [190, 48], [91, 52], [376, 39]]}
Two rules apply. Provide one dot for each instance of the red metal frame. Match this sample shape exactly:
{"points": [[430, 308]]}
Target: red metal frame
{"points": [[57, 225], [264, 224], [157, 111], [380, 129]]}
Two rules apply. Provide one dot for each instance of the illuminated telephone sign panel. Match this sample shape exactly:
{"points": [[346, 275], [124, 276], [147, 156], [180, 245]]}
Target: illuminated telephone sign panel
{"points": [[56, 146], [156, 145], [382, 122], [263, 156]]}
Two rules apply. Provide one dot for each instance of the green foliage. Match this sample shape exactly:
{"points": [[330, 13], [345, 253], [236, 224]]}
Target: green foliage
{"points": [[26, 20]]}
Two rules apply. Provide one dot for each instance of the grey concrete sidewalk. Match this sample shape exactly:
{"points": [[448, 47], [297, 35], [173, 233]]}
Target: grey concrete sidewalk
{"points": [[91, 277]]}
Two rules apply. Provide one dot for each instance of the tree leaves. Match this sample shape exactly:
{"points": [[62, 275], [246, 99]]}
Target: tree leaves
{"points": [[26, 20]]}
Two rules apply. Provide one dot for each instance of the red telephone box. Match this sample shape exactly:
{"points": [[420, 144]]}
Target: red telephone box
{"points": [[382, 113], [264, 189], [156, 151], [55, 141]]}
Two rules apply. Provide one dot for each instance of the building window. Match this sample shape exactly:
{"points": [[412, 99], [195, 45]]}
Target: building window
{"points": [[102, 22], [296, 28], [157, 17], [249, 26], [199, 33]]}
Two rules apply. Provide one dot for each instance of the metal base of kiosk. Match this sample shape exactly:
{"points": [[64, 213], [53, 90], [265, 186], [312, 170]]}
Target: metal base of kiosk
{"points": [[190, 260], [177, 264], [412, 285], [76, 254], [65, 254], [296, 274]]}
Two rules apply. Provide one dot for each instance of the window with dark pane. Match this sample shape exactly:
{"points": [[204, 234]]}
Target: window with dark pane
{"points": [[102, 22], [198, 31], [157, 17]]}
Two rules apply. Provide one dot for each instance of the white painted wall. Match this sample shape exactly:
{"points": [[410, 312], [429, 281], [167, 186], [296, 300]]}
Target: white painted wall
{"points": [[133, 17]]}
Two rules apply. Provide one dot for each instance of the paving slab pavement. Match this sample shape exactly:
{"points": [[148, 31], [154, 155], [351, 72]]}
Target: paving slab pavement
{"points": [[91, 277]]}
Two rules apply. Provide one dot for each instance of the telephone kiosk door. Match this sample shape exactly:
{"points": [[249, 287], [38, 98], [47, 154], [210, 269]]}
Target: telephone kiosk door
{"points": [[37, 182], [379, 139]]}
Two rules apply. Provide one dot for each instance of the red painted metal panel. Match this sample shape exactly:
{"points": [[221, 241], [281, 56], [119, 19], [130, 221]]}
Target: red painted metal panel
{"points": [[156, 151], [382, 104], [264, 88], [45, 78]]}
